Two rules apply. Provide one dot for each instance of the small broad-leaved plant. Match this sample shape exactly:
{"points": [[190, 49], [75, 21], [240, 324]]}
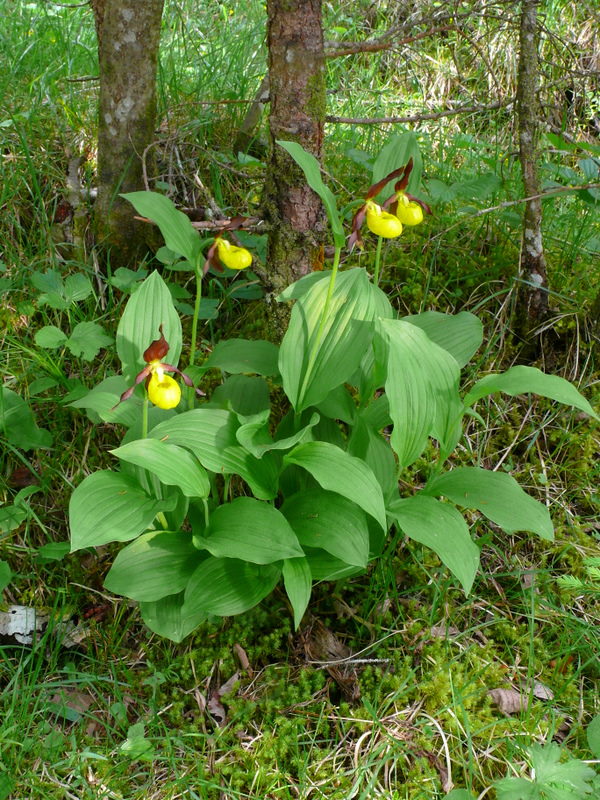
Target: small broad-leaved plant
{"points": [[219, 501]]}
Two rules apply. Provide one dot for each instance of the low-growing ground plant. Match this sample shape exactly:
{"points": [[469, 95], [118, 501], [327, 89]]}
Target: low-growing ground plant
{"points": [[221, 499]]}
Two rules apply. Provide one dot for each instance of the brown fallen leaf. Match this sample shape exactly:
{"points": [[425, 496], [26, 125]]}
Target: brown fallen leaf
{"points": [[70, 704], [322, 646], [509, 701]]}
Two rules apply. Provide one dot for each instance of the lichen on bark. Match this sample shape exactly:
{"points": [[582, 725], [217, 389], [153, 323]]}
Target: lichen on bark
{"points": [[297, 113], [128, 39], [533, 297]]}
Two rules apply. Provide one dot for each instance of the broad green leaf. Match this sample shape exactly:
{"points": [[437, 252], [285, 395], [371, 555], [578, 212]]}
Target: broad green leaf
{"points": [[166, 618], [571, 778], [242, 355], [255, 437], [593, 736], [394, 154], [330, 522], [243, 394], [87, 339], [48, 281], [301, 287], [325, 567], [53, 551], [478, 187], [460, 334], [77, 287], [340, 472], [210, 433], [297, 579], [173, 465], [497, 495], [521, 380], [422, 390], [312, 172], [252, 531], [51, 337], [18, 425], [103, 399], [367, 444], [460, 794], [146, 310], [109, 507], [228, 586], [177, 230], [338, 405], [439, 526], [157, 564], [11, 517], [136, 746], [6, 575], [338, 346]]}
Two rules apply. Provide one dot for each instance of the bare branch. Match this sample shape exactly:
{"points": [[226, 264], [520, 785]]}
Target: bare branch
{"points": [[420, 117]]}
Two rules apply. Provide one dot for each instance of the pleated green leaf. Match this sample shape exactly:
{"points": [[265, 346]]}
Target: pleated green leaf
{"points": [[394, 154], [339, 345], [460, 334], [172, 465], [422, 390], [339, 472], [178, 232], [521, 380], [228, 586], [312, 172], [157, 564], [440, 527], [244, 356], [165, 617], [297, 579], [210, 434], [328, 521], [252, 531], [497, 495], [150, 307], [109, 507]]}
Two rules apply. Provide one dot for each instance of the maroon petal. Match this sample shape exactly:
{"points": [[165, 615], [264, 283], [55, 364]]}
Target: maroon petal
{"points": [[186, 378], [157, 349], [423, 205], [138, 379], [377, 187], [212, 257], [357, 223], [403, 182]]}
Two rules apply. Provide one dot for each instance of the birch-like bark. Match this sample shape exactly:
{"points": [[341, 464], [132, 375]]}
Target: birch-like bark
{"points": [[297, 113], [533, 298], [128, 39]]}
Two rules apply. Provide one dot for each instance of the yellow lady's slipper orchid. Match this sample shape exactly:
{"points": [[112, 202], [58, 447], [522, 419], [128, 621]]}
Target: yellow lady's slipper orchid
{"points": [[232, 256], [408, 212], [163, 390], [382, 223]]}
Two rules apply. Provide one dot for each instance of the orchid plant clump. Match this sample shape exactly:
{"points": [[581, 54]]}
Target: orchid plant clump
{"points": [[218, 501]]}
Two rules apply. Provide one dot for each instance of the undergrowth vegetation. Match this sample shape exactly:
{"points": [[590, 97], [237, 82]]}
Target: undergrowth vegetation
{"points": [[397, 685]]}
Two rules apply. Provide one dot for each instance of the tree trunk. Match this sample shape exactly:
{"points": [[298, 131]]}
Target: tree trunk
{"points": [[533, 297], [297, 113], [128, 38]]}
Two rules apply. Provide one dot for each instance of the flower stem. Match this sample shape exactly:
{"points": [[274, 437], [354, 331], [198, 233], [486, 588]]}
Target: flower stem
{"points": [[315, 348], [198, 274], [145, 416], [377, 260]]}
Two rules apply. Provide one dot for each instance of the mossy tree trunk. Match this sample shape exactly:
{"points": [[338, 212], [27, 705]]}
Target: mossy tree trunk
{"points": [[128, 39], [297, 113], [533, 297]]}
